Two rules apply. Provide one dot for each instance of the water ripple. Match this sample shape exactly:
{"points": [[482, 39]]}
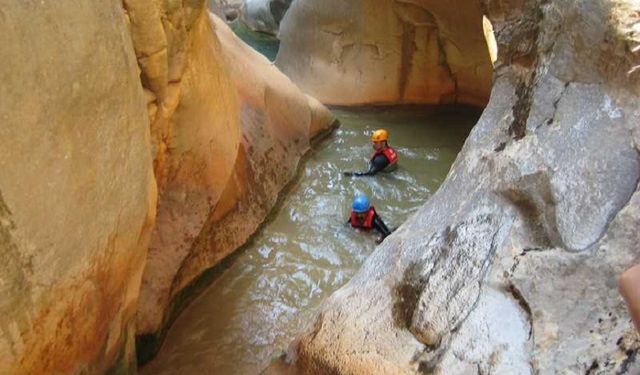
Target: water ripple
{"points": [[307, 251]]}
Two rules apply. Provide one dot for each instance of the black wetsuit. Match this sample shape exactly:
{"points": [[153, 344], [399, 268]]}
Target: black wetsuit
{"points": [[384, 159], [377, 164], [378, 225]]}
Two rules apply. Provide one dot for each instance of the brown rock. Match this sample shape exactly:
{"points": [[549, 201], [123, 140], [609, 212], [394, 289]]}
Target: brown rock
{"points": [[277, 122], [197, 143], [370, 51], [233, 142], [83, 129], [77, 193]]}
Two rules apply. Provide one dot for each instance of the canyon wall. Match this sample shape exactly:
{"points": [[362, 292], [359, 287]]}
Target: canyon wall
{"points": [[387, 52], [194, 120], [228, 130], [511, 267], [126, 128], [77, 193]]}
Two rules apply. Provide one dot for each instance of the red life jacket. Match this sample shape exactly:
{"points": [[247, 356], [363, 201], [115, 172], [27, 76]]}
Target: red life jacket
{"points": [[368, 221], [389, 153]]}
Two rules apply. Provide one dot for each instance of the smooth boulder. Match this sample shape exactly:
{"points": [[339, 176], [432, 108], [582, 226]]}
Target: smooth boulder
{"points": [[387, 52]]}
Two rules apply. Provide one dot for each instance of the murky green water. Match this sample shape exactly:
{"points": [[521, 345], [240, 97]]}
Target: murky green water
{"points": [[257, 305], [266, 44]]}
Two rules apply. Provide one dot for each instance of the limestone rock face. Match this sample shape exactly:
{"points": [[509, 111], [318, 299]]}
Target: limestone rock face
{"points": [[265, 15], [228, 132], [387, 51], [510, 268], [77, 193]]}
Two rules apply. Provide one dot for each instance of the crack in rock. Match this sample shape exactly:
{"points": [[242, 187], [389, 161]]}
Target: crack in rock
{"points": [[452, 286]]}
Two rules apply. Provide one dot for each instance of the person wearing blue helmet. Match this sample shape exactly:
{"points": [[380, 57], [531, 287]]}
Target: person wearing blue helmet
{"points": [[364, 216]]}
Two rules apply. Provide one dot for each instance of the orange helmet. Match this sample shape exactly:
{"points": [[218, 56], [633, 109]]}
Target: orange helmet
{"points": [[380, 135]]}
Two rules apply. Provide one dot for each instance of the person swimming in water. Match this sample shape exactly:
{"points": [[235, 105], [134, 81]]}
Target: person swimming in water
{"points": [[384, 158], [364, 216]]}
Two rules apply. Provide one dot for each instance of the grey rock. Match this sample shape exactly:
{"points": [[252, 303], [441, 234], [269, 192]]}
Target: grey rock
{"points": [[265, 15], [462, 255], [228, 10], [511, 266]]}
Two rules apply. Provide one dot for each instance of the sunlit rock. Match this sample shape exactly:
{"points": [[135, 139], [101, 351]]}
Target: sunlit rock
{"points": [[276, 123], [195, 137], [97, 100], [228, 130], [511, 266], [77, 193], [386, 51]]}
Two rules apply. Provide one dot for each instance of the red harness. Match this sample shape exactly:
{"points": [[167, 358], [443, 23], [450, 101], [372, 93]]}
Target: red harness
{"points": [[368, 221], [389, 153]]}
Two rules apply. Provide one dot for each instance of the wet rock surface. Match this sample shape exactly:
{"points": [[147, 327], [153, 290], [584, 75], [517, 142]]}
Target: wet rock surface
{"points": [[511, 266]]}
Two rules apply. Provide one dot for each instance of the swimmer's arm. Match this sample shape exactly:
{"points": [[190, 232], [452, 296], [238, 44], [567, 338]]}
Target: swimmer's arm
{"points": [[376, 165]]}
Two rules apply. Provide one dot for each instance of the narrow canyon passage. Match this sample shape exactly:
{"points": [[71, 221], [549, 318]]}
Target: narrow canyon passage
{"points": [[163, 209], [255, 307]]}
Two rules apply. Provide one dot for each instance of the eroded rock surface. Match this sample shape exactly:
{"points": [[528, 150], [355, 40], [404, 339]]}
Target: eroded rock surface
{"points": [[112, 113], [229, 130], [194, 115], [276, 122], [77, 193], [511, 266], [389, 51]]}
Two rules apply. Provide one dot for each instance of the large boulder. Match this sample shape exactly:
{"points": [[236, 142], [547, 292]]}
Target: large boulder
{"points": [[228, 130], [77, 193], [387, 52], [510, 268]]}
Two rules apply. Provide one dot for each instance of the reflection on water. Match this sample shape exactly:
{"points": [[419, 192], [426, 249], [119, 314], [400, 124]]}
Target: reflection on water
{"points": [[257, 305]]}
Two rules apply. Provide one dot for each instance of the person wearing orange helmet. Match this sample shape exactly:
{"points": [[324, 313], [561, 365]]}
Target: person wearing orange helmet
{"points": [[384, 157]]}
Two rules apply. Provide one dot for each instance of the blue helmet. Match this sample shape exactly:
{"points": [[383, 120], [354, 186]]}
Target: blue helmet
{"points": [[360, 204]]}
